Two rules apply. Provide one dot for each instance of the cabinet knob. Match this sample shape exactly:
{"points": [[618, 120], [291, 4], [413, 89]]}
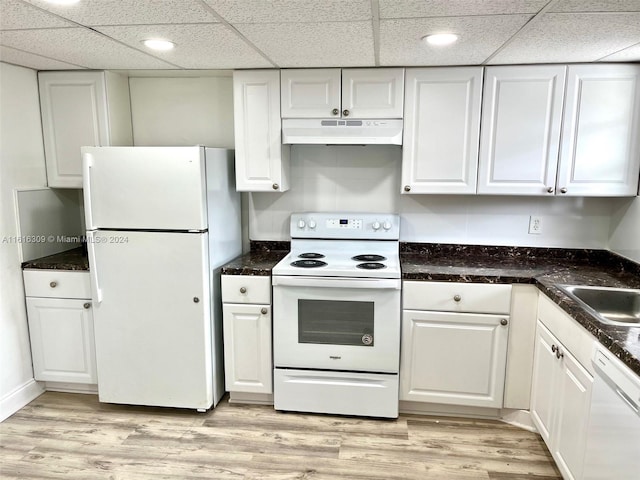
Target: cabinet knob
{"points": [[53, 284], [407, 188], [345, 112], [87, 305], [559, 354], [335, 111], [563, 190], [263, 311], [504, 321], [196, 299], [243, 289], [275, 186], [553, 348], [457, 298], [550, 190]]}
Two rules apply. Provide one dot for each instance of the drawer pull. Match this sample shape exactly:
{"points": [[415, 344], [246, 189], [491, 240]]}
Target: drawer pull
{"points": [[457, 298], [87, 305], [243, 289], [504, 322], [53, 284]]}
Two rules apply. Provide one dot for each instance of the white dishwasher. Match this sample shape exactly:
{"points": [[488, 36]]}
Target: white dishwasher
{"points": [[613, 436]]}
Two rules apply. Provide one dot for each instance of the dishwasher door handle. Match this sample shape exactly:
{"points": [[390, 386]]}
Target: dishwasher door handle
{"points": [[628, 400]]}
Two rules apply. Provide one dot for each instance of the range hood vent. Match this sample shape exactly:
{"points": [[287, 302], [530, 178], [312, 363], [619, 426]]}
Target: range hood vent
{"points": [[341, 132]]}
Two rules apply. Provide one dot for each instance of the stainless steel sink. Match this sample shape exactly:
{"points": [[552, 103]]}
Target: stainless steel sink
{"points": [[615, 306]]}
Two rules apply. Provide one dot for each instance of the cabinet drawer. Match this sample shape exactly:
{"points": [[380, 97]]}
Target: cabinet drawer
{"points": [[456, 297], [246, 289], [57, 284]]}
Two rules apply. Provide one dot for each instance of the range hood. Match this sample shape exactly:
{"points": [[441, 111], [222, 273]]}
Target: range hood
{"points": [[341, 132]]}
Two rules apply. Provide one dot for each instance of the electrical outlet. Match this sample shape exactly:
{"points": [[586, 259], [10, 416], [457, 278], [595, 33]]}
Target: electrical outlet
{"points": [[535, 225]]}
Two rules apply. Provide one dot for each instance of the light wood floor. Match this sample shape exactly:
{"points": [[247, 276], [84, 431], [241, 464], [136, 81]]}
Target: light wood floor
{"points": [[73, 436]]}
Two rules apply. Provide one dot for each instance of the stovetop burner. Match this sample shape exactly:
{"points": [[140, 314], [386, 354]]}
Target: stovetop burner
{"points": [[371, 257], [311, 255], [308, 263], [371, 265]]}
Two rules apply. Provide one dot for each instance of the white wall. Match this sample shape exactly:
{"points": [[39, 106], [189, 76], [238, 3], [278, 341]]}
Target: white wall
{"points": [[357, 178], [625, 230], [21, 165]]}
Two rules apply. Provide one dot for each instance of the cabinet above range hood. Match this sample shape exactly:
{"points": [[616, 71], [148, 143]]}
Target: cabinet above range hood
{"points": [[341, 131]]}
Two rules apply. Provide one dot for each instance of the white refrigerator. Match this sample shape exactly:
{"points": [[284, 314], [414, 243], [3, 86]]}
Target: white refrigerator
{"points": [[160, 221]]}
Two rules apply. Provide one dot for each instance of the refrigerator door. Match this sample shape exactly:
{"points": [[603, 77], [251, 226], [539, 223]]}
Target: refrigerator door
{"points": [[144, 188], [152, 325]]}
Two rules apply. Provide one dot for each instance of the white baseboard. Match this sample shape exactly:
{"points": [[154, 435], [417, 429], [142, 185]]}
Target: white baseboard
{"points": [[519, 418], [437, 409], [19, 397], [86, 388], [251, 398]]}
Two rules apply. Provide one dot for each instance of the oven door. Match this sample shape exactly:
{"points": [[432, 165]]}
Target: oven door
{"points": [[336, 323]]}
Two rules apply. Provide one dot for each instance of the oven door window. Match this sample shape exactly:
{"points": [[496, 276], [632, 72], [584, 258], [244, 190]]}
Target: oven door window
{"points": [[335, 322]]}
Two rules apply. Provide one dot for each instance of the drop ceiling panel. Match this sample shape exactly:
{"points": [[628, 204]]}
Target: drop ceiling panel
{"points": [[16, 15], [631, 54], [313, 44], [596, 6], [197, 46], [119, 12], [291, 11], [580, 37], [480, 36], [448, 8], [18, 57], [79, 46]]}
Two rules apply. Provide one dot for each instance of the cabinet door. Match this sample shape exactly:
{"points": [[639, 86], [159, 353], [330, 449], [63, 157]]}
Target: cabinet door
{"points": [[545, 374], [372, 93], [74, 114], [453, 358], [600, 153], [573, 403], [441, 130], [248, 364], [310, 93], [262, 162], [62, 345], [521, 120]]}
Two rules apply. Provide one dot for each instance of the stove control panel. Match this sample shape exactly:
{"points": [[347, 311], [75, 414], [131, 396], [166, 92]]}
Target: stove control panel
{"points": [[382, 226]]}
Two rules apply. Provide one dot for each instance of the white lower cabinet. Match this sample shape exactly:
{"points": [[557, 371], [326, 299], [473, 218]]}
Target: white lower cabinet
{"points": [[247, 331], [454, 343], [60, 329], [561, 398]]}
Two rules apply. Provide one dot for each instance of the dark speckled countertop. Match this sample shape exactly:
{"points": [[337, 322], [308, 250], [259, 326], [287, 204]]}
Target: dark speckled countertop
{"points": [[261, 258], [545, 267], [75, 259]]}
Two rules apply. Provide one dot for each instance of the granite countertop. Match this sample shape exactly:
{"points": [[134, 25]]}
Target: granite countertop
{"points": [[545, 268], [75, 259], [261, 258]]}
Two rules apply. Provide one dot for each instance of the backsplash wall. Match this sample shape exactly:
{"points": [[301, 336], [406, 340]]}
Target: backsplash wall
{"points": [[367, 178]]}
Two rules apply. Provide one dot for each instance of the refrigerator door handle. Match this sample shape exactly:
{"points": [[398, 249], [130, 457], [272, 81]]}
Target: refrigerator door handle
{"points": [[96, 291], [87, 163]]}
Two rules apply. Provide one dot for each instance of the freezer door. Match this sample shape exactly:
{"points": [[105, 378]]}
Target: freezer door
{"points": [[144, 188], [152, 322]]}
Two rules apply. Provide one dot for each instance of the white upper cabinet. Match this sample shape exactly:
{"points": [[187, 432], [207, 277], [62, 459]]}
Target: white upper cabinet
{"points": [[81, 109], [342, 93], [600, 152], [521, 122], [262, 162], [441, 130]]}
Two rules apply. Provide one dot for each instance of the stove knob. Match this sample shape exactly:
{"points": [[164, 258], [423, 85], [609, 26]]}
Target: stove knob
{"points": [[312, 224], [376, 226], [386, 226], [301, 223]]}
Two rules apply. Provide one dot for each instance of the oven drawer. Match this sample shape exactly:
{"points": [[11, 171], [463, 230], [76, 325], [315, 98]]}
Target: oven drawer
{"points": [[456, 297], [57, 283], [343, 393], [246, 289]]}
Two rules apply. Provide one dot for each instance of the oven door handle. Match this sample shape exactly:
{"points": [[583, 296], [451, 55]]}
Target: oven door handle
{"points": [[368, 283]]}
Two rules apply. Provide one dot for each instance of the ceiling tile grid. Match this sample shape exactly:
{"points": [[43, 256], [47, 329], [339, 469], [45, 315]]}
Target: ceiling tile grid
{"points": [[211, 46], [228, 34]]}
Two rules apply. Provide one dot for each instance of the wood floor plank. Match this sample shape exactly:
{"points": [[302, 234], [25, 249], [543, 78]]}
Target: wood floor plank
{"points": [[73, 436]]}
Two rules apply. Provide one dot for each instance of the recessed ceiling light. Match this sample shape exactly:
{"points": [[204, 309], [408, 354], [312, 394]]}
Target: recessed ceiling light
{"points": [[441, 38], [157, 44], [63, 2]]}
